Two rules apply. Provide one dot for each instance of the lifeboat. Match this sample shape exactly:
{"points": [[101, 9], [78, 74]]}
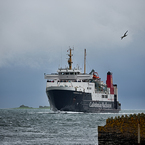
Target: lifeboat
{"points": [[95, 75]]}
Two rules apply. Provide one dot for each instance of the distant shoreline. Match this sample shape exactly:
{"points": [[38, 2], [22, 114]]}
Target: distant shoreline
{"points": [[27, 107]]}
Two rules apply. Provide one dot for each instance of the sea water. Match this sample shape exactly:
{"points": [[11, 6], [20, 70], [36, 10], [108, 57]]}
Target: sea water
{"points": [[44, 127]]}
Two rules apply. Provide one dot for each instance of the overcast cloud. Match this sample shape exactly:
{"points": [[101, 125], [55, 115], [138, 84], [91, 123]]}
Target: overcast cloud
{"points": [[35, 35]]}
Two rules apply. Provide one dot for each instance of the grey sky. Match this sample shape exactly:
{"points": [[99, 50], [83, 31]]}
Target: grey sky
{"points": [[34, 37]]}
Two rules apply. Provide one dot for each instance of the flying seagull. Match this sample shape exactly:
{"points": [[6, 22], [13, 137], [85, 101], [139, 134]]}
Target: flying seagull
{"points": [[124, 35]]}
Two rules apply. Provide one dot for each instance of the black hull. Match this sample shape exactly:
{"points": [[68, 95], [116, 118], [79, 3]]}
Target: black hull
{"points": [[67, 100]]}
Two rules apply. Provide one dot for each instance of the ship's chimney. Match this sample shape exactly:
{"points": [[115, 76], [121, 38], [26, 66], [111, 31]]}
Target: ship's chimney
{"points": [[115, 96], [84, 61], [109, 82]]}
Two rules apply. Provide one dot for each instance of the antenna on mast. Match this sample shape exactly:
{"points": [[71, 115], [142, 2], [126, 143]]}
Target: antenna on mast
{"points": [[84, 61]]}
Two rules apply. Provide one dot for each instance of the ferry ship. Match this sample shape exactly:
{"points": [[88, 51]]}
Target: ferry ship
{"points": [[71, 90]]}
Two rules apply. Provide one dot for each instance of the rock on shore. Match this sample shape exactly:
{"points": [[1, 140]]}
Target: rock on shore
{"points": [[122, 130]]}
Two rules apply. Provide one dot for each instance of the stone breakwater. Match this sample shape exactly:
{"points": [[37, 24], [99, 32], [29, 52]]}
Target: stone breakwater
{"points": [[122, 130]]}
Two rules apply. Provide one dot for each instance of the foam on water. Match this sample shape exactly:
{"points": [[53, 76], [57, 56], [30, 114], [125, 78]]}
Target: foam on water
{"points": [[35, 126]]}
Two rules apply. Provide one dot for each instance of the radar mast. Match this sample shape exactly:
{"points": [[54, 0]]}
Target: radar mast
{"points": [[70, 58]]}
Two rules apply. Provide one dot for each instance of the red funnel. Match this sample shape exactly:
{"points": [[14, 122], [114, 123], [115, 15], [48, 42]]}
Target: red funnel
{"points": [[109, 82]]}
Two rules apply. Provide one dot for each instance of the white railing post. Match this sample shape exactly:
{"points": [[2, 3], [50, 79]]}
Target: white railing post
{"points": [[138, 134]]}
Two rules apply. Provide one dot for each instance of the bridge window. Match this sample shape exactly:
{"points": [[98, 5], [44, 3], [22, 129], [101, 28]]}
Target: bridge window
{"points": [[104, 96], [89, 88], [61, 73], [50, 80], [71, 73]]}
